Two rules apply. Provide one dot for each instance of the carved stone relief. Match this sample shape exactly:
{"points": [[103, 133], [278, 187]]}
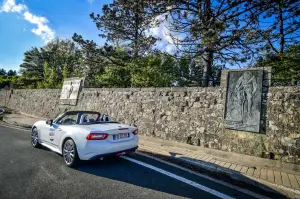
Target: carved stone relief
{"points": [[243, 102]]}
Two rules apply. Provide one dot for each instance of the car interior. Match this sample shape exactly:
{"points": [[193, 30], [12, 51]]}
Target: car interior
{"points": [[83, 118]]}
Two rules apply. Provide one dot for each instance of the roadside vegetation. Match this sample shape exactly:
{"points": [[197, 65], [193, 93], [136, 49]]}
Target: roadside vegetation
{"points": [[206, 37]]}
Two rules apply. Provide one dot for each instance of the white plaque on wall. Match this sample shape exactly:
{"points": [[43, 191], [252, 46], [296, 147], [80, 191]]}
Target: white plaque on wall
{"points": [[70, 90]]}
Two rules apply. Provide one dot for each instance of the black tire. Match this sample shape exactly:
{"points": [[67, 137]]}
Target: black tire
{"points": [[69, 152], [35, 138]]}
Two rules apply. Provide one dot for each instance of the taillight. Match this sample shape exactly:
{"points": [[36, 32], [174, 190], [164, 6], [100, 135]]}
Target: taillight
{"points": [[135, 132], [97, 136]]}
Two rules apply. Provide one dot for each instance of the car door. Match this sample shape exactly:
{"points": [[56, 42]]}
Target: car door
{"points": [[54, 134], [44, 130], [57, 129]]}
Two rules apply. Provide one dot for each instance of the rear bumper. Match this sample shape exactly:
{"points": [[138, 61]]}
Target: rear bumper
{"points": [[114, 153], [101, 148]]}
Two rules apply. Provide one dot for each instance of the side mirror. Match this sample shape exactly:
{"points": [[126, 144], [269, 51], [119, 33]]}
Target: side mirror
{"points": [[49, 122]]}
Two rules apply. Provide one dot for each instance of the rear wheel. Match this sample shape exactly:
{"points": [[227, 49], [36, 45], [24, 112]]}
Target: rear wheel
{"points": [[35, 138], [70, 153]]}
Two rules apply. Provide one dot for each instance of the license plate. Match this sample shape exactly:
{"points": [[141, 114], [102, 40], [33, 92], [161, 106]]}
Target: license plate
{"points": [[121, 136]]}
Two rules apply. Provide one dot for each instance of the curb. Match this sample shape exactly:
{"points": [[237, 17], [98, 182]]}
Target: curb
{"points": [[16, 123], [239, 178], [235, 175]]}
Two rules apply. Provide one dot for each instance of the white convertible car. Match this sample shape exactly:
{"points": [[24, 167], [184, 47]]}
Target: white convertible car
{"points": [[84, 135]]}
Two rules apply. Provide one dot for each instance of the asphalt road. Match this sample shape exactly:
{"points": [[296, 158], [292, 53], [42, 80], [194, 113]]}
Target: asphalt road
{"points": [[26, 172]]}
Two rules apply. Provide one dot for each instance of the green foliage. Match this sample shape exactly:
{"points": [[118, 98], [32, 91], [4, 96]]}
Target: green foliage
{"points": [[50, 64], [8, 79], [153, 71], [11, 73], [66, 72], [4, 81], [2, 72], [114, 76], [285, 67]]}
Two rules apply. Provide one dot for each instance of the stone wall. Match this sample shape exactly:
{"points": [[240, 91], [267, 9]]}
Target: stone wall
{"points": [[192, 115]]}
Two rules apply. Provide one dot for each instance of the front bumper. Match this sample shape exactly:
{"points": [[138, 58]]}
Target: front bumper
{"points": [[123, 152]]}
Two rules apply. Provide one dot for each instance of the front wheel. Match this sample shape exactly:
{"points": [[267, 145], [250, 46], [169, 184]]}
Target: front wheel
{"points": [[35, 138], [70, 153]]}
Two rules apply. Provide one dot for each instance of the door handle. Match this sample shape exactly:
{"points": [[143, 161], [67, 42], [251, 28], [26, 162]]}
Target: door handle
{"points": [[59, 129]]}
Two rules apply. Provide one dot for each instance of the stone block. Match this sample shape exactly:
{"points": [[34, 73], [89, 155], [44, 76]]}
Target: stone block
{"points": [[148, 89]]}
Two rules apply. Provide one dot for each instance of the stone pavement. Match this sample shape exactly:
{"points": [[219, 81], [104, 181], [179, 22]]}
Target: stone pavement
{"points": [[20, 120], [264, 171]]}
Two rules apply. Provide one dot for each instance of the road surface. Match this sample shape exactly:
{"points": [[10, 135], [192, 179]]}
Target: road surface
{"points": [[26, 172]]}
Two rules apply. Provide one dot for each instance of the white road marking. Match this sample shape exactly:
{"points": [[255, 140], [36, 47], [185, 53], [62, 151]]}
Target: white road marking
{"points": [[179, 167], [14, 127], [247, 192], [184, 180]]}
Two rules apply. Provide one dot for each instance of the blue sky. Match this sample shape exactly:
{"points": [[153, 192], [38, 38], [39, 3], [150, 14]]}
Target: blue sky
{"points": [[28, 23]]}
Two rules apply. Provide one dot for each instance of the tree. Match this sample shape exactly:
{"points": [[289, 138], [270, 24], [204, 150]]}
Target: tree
{"points": [[277, 25], [11, 73], [190, 72], [96, 59], [212, 31], [61, 56], [66, 72], [114, 76], [2, 72], [60, 53], [285, 68], [155, 70], [33, 63], [126, 22], [278, 33]]}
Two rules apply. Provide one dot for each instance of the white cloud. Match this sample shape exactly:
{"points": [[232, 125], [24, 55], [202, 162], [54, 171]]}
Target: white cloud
{"points": [[90, 1], [42, 29], [166, 43], [11, 6]]}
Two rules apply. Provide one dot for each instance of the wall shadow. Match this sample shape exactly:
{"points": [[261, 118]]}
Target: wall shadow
{"points": [[118, 169], [231, 176], [122, 170]]}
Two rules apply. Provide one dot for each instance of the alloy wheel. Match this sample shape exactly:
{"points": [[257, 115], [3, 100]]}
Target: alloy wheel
{"points": [[68, 152], [34, 137]]}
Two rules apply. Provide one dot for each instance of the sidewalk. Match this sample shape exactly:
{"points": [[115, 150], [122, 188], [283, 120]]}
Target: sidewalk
{"points": [[259, 172], [239, 168]]}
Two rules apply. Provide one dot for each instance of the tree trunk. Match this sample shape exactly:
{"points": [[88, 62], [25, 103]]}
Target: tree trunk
{"points": [[136, 34], [281, 28], [207, 58]]}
